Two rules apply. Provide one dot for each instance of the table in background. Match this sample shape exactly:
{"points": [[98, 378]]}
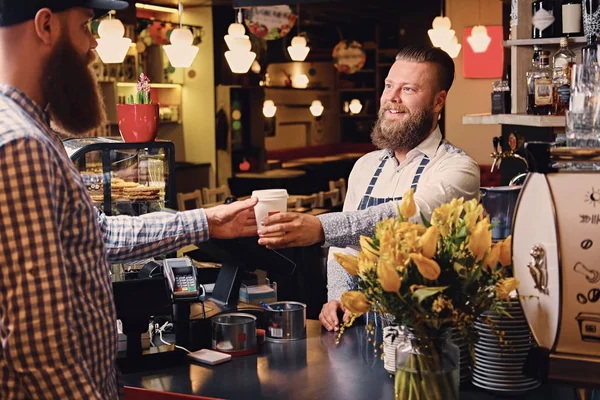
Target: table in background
{"points": [[314, 368]]}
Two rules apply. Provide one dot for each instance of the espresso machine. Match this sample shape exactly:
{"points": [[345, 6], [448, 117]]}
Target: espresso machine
{"points": [[556, 258]]}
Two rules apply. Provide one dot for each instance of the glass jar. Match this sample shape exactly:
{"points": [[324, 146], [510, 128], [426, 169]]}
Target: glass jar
{"points": [[427, 366]]}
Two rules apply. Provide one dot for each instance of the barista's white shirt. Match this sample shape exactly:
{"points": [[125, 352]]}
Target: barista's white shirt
{"points": [[451, 173]]}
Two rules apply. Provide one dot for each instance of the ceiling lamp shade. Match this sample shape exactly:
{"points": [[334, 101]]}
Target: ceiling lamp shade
{"points": [[355, 106], [298, 50], [479, 39], [441, 33], [239, 57], [300, 81], [112, 46], [452, 48], [181, 52], [316, 108], [269, 109]]}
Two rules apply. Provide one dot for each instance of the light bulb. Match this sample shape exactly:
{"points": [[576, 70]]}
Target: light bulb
{"points": [[300, 81], [239, 57], [316, 108], [355, 106], [298, 50], [112, 46], [479, 39], [441, 33], [181, 52], [269, 109]]}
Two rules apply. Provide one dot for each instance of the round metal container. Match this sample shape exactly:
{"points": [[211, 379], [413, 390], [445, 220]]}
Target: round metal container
{"points": [[555, 259], [234, 333], [287, 321]]}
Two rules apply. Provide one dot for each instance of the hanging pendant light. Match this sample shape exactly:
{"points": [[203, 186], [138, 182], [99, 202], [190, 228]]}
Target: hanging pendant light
{"points": [[298, 50], [316, 108], [269, 108], [452, 48], [300, 81], [479, 39], [181, 52], [355, 106], [239, 57], [441, 34], [112, 45]]}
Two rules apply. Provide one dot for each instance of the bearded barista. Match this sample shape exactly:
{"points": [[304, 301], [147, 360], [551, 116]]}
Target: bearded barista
{"points": [[412, 155]]}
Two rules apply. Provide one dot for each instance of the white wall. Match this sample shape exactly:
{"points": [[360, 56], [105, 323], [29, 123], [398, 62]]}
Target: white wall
{"points": [[198, 93], [471, 96]]}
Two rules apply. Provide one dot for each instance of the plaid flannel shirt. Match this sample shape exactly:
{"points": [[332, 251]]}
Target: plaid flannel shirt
{"points": [[57, 318]]}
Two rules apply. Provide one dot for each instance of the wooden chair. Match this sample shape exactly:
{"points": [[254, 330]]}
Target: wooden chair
{"points": [[331, 196], [341, 185], [308, 201], [212, 195], [182, 198]]}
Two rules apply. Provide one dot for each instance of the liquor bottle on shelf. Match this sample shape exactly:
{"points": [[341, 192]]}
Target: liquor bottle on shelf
{"points": [[542, 101], [561, 91], [530, 78], [543, 19], [564, 58], [571, 18], [589, 52]]}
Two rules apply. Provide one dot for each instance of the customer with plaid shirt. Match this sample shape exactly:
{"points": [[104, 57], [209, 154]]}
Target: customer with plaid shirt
{"points": [[57, 318]]}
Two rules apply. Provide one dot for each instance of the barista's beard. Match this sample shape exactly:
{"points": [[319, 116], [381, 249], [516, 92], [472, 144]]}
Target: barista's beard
{"points": [[74, 101], [402, 135]]}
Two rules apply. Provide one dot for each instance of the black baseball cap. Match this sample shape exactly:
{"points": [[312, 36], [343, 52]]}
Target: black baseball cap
{"points": [[13, 12]]}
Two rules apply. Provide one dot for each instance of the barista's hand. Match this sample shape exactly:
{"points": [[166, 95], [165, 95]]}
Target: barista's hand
{"points": [[329, 315], [298, 230], [233, 220]]}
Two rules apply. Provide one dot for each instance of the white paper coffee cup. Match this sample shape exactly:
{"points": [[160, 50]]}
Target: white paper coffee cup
{"points": [[270, 202]]}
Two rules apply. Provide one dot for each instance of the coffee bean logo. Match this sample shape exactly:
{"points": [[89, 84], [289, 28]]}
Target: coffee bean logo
{"points": [[586, 244], [594, 295]]}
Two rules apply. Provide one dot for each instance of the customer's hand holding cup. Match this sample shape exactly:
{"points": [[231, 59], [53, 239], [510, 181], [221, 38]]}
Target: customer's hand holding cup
{"points": [[270, 202]]}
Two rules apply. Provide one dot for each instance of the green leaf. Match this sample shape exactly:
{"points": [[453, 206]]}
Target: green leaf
{"points": [[424, 293], [425, 222], [462, 233]]}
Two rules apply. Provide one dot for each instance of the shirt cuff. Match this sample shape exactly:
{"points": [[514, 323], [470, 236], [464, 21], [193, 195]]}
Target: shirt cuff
{"points": [[195, 225]]}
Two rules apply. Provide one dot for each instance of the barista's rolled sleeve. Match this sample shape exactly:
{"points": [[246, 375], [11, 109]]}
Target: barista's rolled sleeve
{"points": [[40, 346], [151, 234]]}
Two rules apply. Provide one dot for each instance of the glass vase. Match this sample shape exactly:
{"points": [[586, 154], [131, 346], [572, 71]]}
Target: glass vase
{"points": [[427, 367]]}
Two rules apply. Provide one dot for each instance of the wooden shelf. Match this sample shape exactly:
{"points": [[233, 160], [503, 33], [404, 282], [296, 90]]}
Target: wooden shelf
{"points": [[548, 121], [357, 89], [531, 42]]}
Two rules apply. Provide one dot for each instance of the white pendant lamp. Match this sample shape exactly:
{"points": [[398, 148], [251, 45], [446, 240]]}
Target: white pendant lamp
{"points": [[355, 106], [112, 46], [441, 34], [269, 108], [298, 50], [300, 81], [316, 108], [181, 52], [452, 48], [479, 39], [239, 57]]}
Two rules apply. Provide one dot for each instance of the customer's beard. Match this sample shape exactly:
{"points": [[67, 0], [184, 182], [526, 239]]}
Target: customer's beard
{"points": [[74, 101], [402, 135]]}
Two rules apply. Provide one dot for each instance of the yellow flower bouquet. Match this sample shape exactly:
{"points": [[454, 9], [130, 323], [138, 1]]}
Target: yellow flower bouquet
{"points": [[430, 277]]}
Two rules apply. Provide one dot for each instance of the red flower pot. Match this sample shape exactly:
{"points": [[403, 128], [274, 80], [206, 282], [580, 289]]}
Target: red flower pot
{"points": [[138, 122]]}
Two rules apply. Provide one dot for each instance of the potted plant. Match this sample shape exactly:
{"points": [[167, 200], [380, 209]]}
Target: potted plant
{"points": [[138, 122]]}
